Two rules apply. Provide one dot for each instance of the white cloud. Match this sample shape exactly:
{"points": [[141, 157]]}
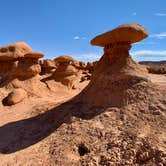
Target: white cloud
{"points": [[160, 14], [159, 35], [141, 55], [76, 38], [149, 55], [79, 38], [89, 57], [149, 52], [134, 14], [144, 43]]}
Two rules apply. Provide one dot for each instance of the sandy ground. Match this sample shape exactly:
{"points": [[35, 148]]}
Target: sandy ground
{"points": [[23, 143]]}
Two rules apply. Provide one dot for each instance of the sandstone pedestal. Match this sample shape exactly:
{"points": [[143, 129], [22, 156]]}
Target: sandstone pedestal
{"points": [[117, 79]]}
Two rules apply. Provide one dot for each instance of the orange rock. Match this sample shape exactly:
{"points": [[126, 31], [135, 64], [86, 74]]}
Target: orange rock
{"points": [[14, 51], [34, 55], [64, 59], [116, 73], [48, 63], [16, 96], [18, 60], [126, 33], [65, 72]]}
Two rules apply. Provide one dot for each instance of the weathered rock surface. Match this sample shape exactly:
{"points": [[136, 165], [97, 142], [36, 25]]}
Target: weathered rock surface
{"points": [[19, 61], [65, 72], [117, 77], [14, 51], [127, 33], [119, 119], [47, 66], [16, 96]]}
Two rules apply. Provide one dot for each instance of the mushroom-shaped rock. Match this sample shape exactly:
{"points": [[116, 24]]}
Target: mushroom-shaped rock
{"points": [[14, 51], [28, 67], [64, 59], [34, 55], [126, 33], [65, 69], [16, 96], [18, 60], [116, 76]]}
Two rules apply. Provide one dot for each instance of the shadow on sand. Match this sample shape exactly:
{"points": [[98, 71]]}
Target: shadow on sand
{"points": [[21, 134]]}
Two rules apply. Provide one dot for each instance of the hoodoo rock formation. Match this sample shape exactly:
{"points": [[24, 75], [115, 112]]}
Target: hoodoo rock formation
{"points": [[9, 57], [29, 66], [55, 112], [19, 68], [19, 60], [117, 79], [65, 72], [14, 51]]}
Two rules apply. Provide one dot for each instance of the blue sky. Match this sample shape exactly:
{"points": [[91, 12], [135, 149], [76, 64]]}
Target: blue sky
{"points": [[58, 27]]}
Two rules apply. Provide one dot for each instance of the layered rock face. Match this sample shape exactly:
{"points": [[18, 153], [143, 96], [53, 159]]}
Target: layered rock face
{"points": [[118, 80]]}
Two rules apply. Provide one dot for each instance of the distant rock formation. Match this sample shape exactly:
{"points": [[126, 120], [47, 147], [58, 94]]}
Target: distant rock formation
{"points": [[14, 51], [18, 60], [155, 67], [152, 62], [19, 68], [47, 66], [65, 73]]}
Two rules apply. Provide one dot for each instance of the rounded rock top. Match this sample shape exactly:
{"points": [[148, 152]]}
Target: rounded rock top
{"points": [[63, 59], [14, 51], [129, 33], [34, 55], [48, 63]]}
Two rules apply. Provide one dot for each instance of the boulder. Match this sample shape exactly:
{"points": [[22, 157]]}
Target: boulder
{"points": [[16, 96]]}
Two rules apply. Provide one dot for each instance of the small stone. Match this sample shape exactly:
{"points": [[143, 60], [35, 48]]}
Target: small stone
{"points": [[145, 156], [156, 112]]}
